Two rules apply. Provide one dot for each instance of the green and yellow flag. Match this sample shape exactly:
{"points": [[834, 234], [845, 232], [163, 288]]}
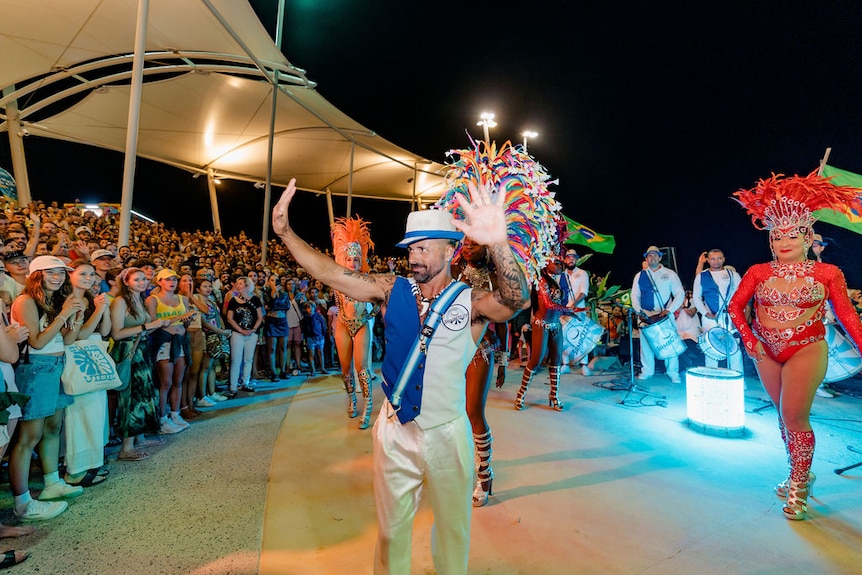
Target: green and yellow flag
{"points": [[584, 236], [853, 222]]}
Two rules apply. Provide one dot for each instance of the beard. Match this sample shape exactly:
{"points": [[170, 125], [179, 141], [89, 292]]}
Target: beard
{"points": [[424, 274], [571, 266]]}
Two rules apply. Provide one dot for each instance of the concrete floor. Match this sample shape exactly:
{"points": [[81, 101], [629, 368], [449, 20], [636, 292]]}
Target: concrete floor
{"points": [[278, 482], [603, 487]]}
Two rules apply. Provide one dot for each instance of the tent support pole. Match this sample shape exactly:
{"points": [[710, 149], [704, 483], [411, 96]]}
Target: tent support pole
{"points": [[267, 193], [134, 119], [213, 200], [16, 149]]}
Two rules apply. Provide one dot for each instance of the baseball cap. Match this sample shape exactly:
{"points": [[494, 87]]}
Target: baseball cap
{"points": [[166, 273], [42, 263], [14, 254], [83, 229], [100, 254]]}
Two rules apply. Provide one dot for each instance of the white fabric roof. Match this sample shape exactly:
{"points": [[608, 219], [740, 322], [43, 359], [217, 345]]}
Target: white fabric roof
{"points": [[206, 103]]}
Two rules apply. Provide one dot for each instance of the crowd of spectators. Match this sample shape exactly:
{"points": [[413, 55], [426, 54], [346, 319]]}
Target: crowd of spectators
{"points": [[217, 322]]}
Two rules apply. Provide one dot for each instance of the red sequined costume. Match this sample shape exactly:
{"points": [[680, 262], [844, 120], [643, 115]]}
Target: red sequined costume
{"points": [[788, 306]]}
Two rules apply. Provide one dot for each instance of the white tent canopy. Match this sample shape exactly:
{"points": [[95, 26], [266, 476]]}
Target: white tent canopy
{"points": [[206, 101]]}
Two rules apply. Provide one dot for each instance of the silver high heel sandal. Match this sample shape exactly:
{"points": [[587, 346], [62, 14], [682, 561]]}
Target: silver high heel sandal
{"points": [[796, 506], [781, 488], [553, 402], [525, 383], [484, 473], [365, 383], [350, 388]]}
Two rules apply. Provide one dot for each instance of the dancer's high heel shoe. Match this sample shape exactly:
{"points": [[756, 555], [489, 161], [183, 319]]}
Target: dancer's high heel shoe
{"points": [[365, 383], [781, 488], [484, 473], [350, 388], [553, 402], [796, 506], [525, 383]]}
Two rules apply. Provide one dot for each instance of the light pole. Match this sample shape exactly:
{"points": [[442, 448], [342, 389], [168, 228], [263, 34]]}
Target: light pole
{"points": [[528, 134], [486, 122]]}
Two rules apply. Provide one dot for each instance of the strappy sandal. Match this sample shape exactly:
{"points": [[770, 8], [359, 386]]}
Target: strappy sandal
{"points": [[132, 455]]}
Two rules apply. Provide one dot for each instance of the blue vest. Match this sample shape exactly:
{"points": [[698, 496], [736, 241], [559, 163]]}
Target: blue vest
{"points": [[401, 328], [709, 291]]}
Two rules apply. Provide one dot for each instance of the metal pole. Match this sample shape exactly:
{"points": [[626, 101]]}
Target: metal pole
{"points": [[16, 149], [134, 120], [267, 193], [350, 179], [213, 200], [329, 209]]}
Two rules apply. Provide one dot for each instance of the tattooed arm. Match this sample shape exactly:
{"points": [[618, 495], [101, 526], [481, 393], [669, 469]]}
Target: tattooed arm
{"points": [[373, 288]]}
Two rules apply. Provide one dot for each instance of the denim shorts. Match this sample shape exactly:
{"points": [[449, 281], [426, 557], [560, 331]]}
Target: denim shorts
{"points": [[40, 379]]}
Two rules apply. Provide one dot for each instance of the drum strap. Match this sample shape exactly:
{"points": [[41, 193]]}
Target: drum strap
{"points": [[706, 277], [656, 292]]}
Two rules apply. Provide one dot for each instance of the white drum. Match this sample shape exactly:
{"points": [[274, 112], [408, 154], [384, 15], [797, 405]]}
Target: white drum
{"points": [[663, 338], [580, 335], [717, 343], [843, 361]]}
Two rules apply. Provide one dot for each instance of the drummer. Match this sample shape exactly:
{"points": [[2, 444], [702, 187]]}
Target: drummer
{"points": [[656, 293], [579, 288], [713, 288]]}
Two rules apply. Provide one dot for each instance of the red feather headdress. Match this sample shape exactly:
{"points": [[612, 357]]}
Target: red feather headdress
{"points": [[783, 203], [351, 237]]}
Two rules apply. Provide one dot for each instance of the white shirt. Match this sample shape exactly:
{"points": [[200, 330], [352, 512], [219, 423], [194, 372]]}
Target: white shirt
{"points": [[667, 283], [723, 278]]}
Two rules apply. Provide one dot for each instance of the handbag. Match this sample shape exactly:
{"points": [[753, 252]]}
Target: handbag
{"points": [[89, 368]]}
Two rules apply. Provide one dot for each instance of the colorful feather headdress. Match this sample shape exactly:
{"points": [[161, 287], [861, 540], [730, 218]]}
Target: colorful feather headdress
{"points": [[351, 237], [787, 204], [531, 210]]}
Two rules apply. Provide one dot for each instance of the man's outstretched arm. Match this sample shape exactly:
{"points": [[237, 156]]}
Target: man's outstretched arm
{"points": [[372, 288]]}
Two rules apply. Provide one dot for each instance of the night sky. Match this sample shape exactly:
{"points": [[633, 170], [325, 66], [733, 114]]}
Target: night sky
{"points": [[650, 115]]}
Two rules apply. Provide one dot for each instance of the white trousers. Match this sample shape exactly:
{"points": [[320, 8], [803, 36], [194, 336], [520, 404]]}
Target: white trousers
{"points": [[241, 354], [648, 360], [407, 461]]}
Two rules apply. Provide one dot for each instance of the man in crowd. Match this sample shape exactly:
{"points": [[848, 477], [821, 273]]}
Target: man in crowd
{"points": [[713, 288], [656, 293], [424, 443], [579, 288]]}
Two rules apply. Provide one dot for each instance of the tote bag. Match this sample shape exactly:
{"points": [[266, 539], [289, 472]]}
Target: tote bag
{"points": [[89, 368]]}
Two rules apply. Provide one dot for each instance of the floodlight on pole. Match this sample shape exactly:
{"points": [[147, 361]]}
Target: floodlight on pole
{"points": [[527, 135], [486, 122]]}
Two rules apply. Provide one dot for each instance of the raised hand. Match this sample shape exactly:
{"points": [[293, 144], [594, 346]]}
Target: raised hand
{"points": [[280, 224], [485, 221]]}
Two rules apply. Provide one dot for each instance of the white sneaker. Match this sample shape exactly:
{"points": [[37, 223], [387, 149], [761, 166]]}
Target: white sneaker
{"points": [[585, 370], [179, 421], [167, 427], [644, 376], [217, 397], [674, 378], [60, 490], [41, 510], [821, 392], [205, 402]]}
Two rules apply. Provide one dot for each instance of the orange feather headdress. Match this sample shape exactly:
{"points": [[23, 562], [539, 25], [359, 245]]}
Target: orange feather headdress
{"points": [[351, 237]]}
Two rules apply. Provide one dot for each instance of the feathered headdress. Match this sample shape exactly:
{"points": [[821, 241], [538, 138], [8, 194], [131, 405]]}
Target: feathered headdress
{"points": [[531, 210], [350, 238], [786, 204]]}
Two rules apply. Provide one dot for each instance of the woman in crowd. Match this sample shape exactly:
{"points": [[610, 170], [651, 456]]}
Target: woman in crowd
{"points": [[137, 399], [170, 348], [52, 318], [549, 303], [244, 317], [351, 240], [472, 266], [186, 289], [276, 303], [786, 336], [216, 343], [10, 337], [86, 426]]}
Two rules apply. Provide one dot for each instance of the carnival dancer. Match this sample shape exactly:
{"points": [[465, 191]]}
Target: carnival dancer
{"points": [[712, 290], [656, 293], [548, 303], [786, 337], [351, 240], [424, 442], [473, 267]]}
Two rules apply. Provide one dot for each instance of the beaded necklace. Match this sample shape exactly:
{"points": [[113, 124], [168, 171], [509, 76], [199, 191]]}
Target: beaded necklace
{"points": [[425, 301]]}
